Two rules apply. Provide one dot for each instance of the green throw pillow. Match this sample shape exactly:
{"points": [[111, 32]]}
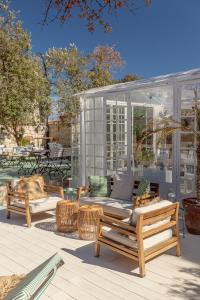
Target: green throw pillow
{"points": [[143, 188], [100, 186]]}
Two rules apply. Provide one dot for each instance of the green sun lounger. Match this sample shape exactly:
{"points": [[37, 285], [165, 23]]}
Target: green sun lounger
{"points": [[35, 283]]}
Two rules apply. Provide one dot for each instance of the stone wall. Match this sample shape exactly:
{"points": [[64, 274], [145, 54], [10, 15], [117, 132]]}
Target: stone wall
{"points": [[60, 133], [33, 135]]}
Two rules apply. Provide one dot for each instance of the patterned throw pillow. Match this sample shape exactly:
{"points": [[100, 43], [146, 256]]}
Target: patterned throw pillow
{"points": [[100, 186], [32, 186], [143, 188]]}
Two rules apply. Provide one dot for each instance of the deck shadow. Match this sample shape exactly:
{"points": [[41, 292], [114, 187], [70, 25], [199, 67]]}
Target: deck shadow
{"points": [[51, 227], [107, 259], [20, 220], [189, 288]]}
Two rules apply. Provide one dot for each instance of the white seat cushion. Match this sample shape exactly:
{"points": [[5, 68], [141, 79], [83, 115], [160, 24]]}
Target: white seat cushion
{"points": [[40, 205], [116, 207], [130, 242]]}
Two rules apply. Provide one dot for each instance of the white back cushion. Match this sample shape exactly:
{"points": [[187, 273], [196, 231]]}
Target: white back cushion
{"points": [[144, 209]]}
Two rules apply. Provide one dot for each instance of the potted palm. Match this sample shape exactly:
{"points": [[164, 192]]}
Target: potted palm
{"points": [[166, 127]]}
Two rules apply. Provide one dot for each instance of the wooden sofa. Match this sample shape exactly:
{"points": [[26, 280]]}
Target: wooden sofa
{"points": [[154, 233], [117, 208], [20, 204]]}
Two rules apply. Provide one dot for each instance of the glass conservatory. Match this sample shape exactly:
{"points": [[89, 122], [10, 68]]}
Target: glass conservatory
{"points": [[113, 118]]}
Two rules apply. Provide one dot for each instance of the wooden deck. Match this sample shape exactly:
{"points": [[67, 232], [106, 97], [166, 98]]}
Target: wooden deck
{"points": [[83, 276]]}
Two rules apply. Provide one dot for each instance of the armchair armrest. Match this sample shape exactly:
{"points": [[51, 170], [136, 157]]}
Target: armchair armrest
{"points": [[16, 196], [117, 225], [55, 189]]}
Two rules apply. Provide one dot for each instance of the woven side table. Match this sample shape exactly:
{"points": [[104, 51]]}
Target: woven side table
{"points": [[88, 216], [66, 215]]}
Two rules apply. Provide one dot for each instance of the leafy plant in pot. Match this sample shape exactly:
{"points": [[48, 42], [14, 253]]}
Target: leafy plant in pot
{"points": [[166, 127]]}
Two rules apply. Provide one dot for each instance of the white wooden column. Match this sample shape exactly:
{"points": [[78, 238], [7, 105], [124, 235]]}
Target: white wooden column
{"points": [[104, 136], [129, 134], [82, 171], [176, 140]]}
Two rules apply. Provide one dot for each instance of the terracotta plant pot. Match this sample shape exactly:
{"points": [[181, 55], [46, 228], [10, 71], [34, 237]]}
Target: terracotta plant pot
{"points": [[192, 215]]}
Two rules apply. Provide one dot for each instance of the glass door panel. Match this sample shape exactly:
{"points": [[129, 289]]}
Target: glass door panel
{"points": [[116, 136], [153, 161]]}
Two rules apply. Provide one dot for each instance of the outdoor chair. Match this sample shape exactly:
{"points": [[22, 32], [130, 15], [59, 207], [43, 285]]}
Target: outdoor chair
{"points": [[150, 231], [51, 162], [33, 285], [22, 203], [57, 163], [9, 159]]}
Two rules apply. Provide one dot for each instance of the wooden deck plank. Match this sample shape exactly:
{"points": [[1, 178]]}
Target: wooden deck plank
{"points": [[111, 276]]}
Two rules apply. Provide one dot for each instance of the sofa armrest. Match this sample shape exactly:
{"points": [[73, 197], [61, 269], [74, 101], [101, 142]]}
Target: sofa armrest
{"points": [[141, 200], [82, 190], [54, 189]]}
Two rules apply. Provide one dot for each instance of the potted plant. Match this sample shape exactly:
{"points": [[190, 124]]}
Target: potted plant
{"points": [[166, 127]]}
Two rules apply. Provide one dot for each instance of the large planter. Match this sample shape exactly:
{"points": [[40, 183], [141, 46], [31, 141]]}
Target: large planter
{"points": [[192, 215]]}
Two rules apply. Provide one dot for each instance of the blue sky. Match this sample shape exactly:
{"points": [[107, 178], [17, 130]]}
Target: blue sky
{"points": [[164, 38]]}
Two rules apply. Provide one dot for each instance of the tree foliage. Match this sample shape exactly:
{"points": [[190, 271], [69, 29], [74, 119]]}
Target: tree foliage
{"points": [[24, 91], [129, 77], [93, 12], [103, 62], [72, 71]]}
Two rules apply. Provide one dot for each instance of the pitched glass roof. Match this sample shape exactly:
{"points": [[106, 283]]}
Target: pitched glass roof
{"points": [[180, 76]]}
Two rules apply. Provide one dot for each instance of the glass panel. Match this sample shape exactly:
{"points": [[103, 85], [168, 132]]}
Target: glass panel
{"points": [[116, 137], [89, 126], [187, 140], [94, 136], [187, 185], [189, 99], [98, 127], [89, 103], [99, 150], [99, 103], [75, 159], [153, 158]]}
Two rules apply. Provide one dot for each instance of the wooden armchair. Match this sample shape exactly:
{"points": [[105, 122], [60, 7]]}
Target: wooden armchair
{"points": [[19, 203], [143, 241]]}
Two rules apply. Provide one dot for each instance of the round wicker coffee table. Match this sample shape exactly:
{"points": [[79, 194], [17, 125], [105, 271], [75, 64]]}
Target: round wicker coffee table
{"points": [[88, 216], [66, 215]]}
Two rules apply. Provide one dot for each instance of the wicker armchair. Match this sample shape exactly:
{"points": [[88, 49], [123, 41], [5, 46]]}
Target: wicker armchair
{"points": [[154, 233], [20, 204]]}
